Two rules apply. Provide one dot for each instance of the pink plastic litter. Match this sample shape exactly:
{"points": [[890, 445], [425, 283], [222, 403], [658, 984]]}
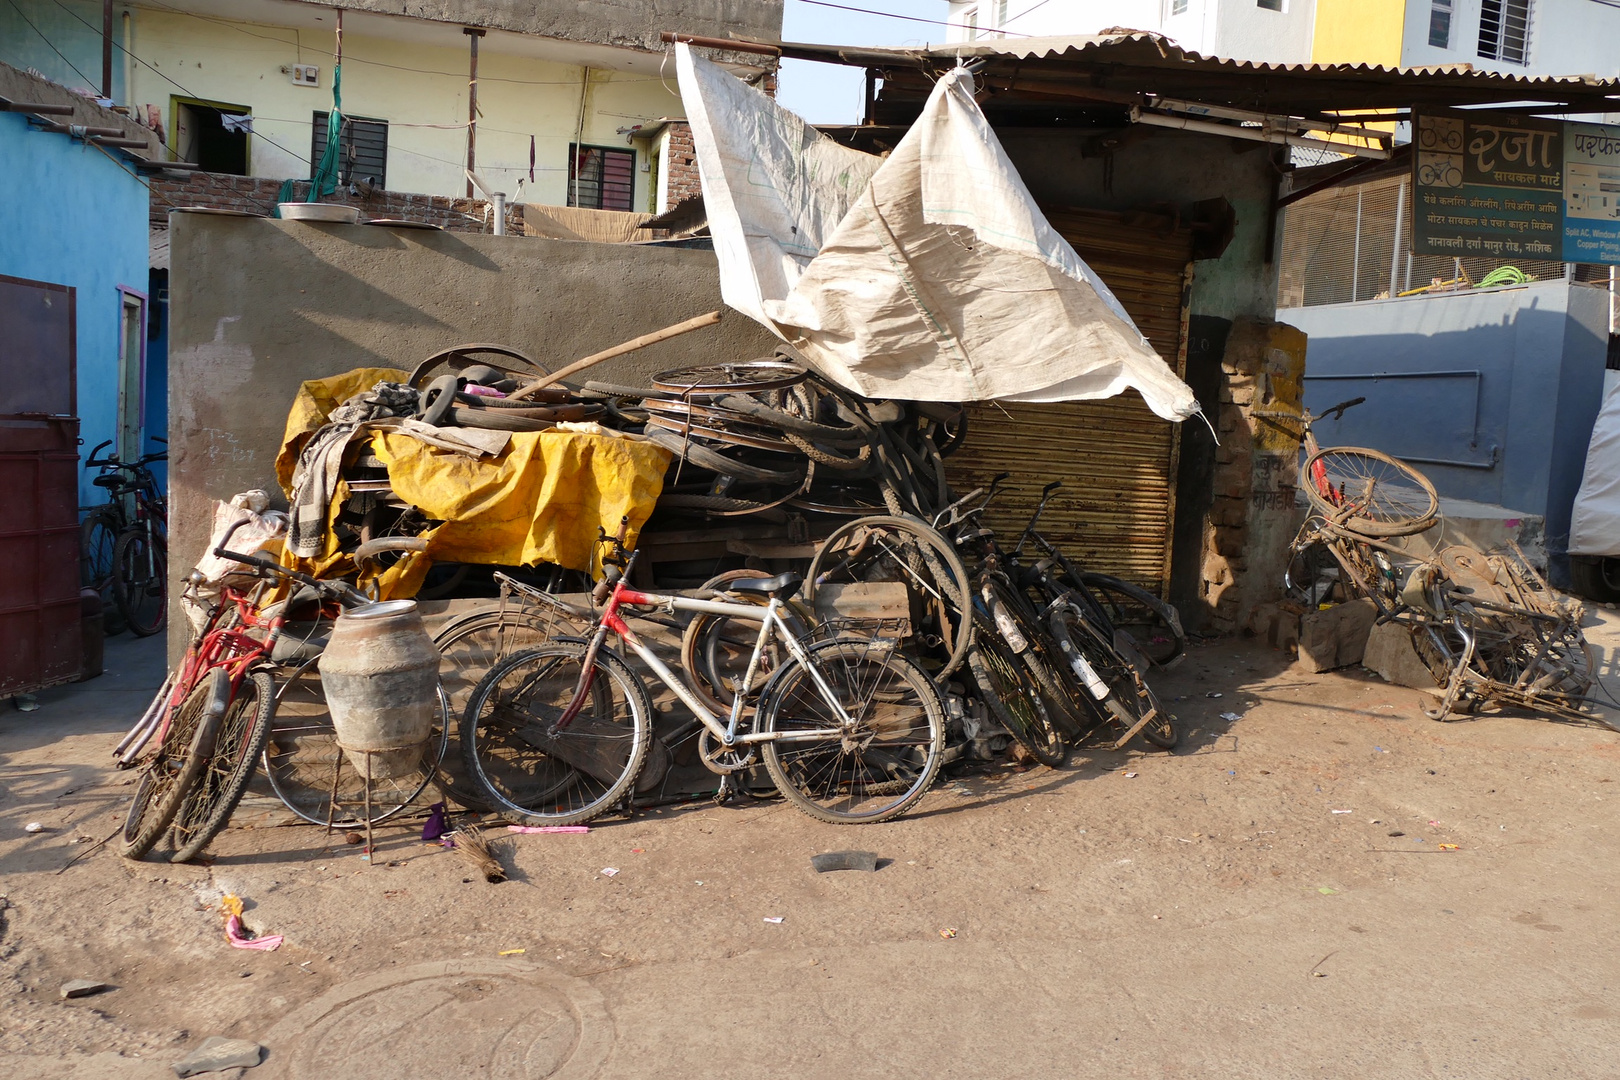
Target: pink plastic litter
{"points": [[234, 934], [548, 828]]}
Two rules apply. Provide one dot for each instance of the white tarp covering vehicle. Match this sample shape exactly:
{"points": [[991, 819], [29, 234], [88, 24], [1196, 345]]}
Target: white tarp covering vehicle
{"points": [[928, 275], [1594, 528]]}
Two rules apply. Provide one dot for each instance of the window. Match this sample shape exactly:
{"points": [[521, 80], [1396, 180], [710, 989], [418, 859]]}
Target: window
{"points": [[1001, 14], [601, 178], [1504, 30], [970, 19], [1269, 5], [362, 149], [1178, 7], [1440, 24], [213, 135]]}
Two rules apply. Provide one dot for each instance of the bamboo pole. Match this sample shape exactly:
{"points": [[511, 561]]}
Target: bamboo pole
{"points": [[618, 350]]}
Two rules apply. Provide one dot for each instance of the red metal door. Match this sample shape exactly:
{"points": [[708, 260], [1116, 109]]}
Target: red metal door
{"points": [[40, 638]]}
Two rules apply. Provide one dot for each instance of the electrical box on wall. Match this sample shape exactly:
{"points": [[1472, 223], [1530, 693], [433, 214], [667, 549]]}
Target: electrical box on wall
{"points": [[306, 75]]}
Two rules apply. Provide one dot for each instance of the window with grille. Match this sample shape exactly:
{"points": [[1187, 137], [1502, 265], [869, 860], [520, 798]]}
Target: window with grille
{"points": [[601, 177], [362, 149], [1504, 30], [1269, 5], [1440, 24]]}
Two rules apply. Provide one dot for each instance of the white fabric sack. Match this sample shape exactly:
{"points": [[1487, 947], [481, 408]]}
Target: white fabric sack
{"points": [[265, 531], [1594, 527], [929, 275]]}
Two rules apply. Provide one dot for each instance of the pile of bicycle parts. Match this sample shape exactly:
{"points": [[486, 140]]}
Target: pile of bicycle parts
{"points": [[1486, 626]]}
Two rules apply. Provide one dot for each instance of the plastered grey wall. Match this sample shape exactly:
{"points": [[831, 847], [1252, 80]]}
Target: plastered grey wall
{"points": [[259, 306]]}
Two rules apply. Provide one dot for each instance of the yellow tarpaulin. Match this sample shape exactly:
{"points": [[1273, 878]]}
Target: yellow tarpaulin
{"points": [[541, 500]]}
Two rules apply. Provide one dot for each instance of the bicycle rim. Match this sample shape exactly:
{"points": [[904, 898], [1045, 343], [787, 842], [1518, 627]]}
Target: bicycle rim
{"points": [[877, 767], [1011, 696], [243, 732], [140, 582], [155, 802], [1369, 492], [535, 773]]}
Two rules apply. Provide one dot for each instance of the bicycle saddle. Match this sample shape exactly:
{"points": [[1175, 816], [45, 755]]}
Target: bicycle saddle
{"points": [[781, 586]]}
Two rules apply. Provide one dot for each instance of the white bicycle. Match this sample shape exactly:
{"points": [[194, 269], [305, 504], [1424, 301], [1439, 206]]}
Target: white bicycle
{"points": [[850, 730]]}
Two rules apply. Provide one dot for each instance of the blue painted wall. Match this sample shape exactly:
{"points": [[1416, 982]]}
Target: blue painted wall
{"points": [[74, 28], [1491, 393], [72, 215]]}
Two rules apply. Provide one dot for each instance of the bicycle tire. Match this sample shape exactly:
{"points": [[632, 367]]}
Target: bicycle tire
{"points": [[98, 536], [1008, 691], [1153, 625], [1374, 473], [789, 424], [706, 457], [173, 770], [243, 732], [938, 556], [885, 764], [468, 648], [699, 640], [312, 776], [140, 590], [1129, 696], [1039, 656], [592, 775]]}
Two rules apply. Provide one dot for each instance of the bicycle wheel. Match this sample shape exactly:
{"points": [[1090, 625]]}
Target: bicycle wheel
{"points": [[1153, 625], [532, 770], [468, 648], [715, 649], [876, 767], [1066, 701], [174, 769], [243, 732], [891, 548], [1369, 492], [1128, 697], [314, 778], [141, 581], [1010, 694]]}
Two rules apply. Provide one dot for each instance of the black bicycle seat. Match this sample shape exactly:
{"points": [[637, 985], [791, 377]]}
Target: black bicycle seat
{"points": [[110, 480], [781, 586]]}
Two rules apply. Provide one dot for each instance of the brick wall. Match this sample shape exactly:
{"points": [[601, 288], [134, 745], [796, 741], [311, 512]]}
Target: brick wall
{"points": [[680, 165], [1253, 517], [257, 195]]}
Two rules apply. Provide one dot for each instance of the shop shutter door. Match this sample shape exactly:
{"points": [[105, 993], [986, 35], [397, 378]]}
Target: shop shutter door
{"points": [[1117, 460]]}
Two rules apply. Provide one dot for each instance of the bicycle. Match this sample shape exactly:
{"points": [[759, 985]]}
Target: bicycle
{"points": [[211, 720], [1104, 665], [128, 552], [849, 730]]}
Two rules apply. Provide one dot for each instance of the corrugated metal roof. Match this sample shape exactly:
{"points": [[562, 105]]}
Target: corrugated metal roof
{"points": [[1135, 61]]}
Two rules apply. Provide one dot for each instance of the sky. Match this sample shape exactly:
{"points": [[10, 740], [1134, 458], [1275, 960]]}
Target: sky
{"points": [[832, 93]]}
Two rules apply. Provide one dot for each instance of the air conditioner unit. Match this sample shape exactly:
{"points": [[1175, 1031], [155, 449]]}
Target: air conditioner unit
{"points": [[306, 75]]}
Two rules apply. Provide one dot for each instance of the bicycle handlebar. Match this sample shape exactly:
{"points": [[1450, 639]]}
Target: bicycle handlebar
{"points": [[1337, 412], [264, 564]]}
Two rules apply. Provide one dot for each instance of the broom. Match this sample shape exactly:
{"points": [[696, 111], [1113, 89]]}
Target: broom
{"points": [[471, 845]]}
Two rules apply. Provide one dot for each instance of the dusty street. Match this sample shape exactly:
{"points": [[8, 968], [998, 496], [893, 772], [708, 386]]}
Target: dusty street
{"points": [[1278, 898]]}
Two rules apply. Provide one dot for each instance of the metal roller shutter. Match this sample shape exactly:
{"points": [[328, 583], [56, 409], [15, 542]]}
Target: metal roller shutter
{"points": [[1117, 460]]}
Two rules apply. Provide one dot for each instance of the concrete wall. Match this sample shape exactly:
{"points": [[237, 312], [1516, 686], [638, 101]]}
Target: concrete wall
{"points": [[1362, 31], [70, 214], [1490, 393], [258, 306], [1062, 168], [1567, 37], [609, 22]]}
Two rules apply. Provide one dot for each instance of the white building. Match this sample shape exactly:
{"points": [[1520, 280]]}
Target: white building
{"points": [[1521, 37]]}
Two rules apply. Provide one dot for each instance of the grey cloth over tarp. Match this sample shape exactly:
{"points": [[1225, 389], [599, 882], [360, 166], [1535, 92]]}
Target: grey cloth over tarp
{"points": [[928, 275], [386, 406]]}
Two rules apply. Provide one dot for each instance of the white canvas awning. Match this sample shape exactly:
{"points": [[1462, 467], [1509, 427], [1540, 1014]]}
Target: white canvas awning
{"points": [[928, 275]]}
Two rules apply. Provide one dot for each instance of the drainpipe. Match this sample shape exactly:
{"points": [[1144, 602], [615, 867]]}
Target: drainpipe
{"points": [[498, 202]]}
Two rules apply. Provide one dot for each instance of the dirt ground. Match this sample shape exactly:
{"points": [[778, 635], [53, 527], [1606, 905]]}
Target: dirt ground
{"points": [[1328, 884]]}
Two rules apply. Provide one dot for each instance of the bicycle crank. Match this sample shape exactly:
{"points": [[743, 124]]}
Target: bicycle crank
{"points": [[722, 759]]}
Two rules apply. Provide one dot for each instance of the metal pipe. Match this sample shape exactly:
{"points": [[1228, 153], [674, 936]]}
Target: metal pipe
{"points": [[38, 108], [498, 201], [473, 34], [129, 61], [106, 48], [721, 43], [1355, 259], [1395, 245], [1281, 138]]}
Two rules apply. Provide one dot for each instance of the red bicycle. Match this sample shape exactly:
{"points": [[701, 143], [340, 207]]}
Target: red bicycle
{"points": [[211, 720]]}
